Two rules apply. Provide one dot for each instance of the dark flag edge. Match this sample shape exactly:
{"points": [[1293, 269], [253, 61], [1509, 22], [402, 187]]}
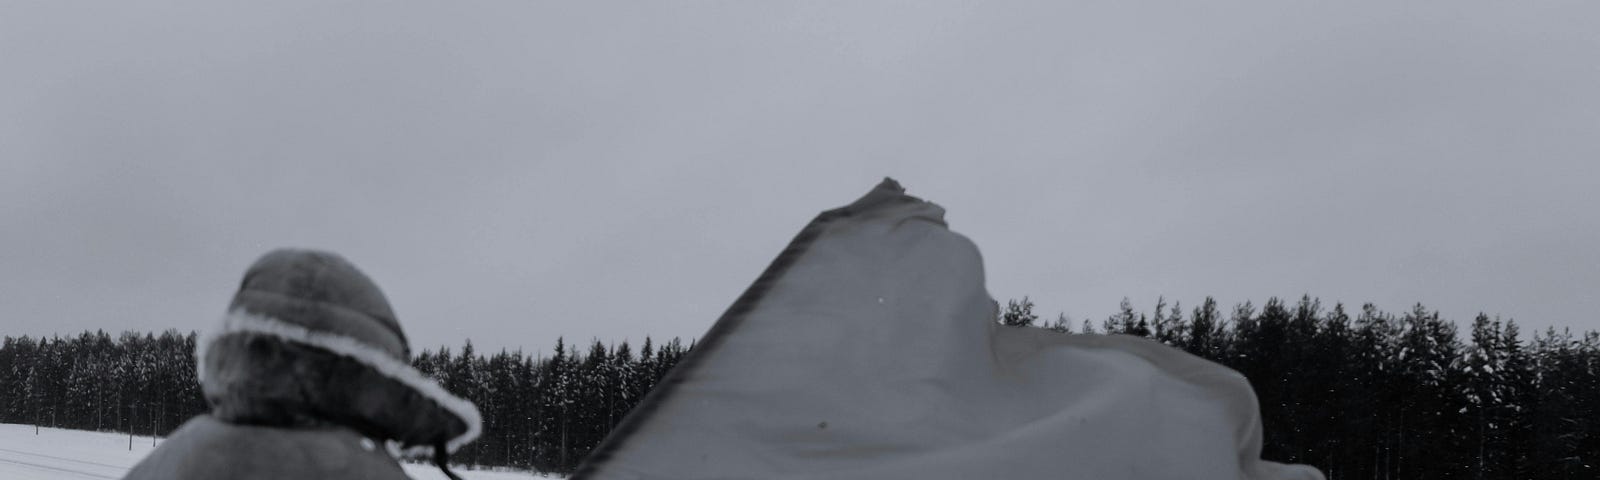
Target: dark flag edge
{"points": [[887, 192]]}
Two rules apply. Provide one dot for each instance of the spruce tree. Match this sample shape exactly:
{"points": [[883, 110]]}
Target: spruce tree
{"points": [[1018, 314]]}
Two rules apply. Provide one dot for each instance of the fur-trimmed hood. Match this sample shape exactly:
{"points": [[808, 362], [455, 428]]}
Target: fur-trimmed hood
{"points": [[259, 370], [308, 358]]}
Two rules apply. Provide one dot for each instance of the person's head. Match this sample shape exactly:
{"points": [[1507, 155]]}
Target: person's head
{"points": [[310, 341]]}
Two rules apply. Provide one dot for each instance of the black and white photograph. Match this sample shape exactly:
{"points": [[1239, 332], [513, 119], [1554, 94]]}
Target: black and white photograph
{"points": [[799, 240]]}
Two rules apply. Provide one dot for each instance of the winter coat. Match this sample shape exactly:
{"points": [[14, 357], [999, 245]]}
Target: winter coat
{"points": [[309, 377], [206, 447]]}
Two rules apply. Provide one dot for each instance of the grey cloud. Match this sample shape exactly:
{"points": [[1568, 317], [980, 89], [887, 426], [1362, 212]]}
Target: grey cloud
{"points": [[514, 172]]}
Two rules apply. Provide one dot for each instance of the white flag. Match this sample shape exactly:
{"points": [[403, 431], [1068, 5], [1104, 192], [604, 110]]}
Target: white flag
{"points": [[869, 350]]}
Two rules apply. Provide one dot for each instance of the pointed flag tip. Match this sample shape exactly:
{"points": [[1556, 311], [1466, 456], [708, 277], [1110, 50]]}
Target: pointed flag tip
{"points": [[889, 183], [885, 192]]}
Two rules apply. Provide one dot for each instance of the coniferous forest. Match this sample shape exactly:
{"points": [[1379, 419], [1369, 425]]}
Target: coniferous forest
{"points": [[1362, 394]]}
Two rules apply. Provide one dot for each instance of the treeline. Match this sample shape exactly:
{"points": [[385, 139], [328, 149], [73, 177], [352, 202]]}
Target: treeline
{"points": [[545, 414], [137, 383], [1361, 395], [541, 414], [1375, 395]]}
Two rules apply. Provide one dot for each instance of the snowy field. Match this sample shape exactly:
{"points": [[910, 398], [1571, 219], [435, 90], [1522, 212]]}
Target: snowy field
{"points": [[56, 454]]}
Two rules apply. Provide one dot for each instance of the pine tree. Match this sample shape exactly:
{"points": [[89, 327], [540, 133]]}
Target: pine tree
{"points": [[1431, 410], [1557, 419], [1126, 321], [1520, 389], [1170, 329], [1486, 396], [1062, 324], [646, 369], [1261, 343], [595, 389], [625, 385], [1019, 314], [558, 407], [1206, 335]]}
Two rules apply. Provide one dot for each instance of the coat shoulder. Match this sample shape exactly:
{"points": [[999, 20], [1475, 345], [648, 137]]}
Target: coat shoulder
{"points": [[205, 448]]}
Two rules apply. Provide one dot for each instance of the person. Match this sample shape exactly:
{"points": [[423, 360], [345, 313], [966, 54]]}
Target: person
{"points": [[309, 377]]}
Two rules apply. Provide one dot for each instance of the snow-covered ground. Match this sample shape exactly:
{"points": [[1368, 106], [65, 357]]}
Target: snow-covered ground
{"points": [[56, 454]]}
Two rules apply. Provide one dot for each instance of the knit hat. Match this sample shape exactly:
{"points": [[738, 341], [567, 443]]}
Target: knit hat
{"points": [[310, 341]]}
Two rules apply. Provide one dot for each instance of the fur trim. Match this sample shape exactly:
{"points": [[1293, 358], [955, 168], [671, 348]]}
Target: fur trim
{"points": [[240, 321]]}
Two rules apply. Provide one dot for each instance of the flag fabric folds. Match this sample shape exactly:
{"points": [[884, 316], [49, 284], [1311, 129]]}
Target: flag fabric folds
{"points": [[869, 350]]}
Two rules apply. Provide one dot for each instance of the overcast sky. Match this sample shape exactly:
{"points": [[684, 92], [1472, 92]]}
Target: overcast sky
{"points": [[515, 171]]}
